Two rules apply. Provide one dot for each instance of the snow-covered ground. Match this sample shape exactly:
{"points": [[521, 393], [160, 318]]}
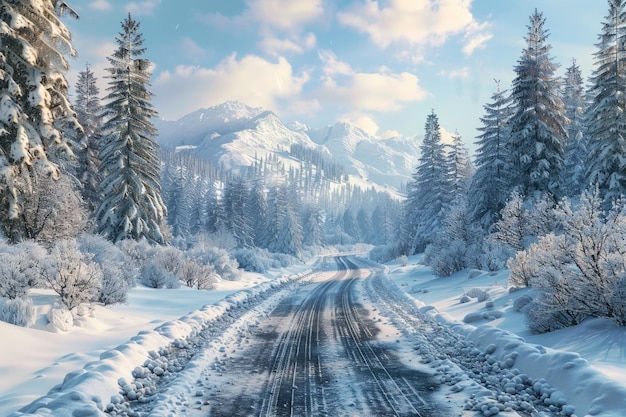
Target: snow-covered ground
{"points": [[584, 366]]}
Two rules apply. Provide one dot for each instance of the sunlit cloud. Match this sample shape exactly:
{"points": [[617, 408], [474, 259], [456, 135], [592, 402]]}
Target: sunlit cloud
{"points": [[250, 79], [376, 91], [418, 23], [279, 23]]}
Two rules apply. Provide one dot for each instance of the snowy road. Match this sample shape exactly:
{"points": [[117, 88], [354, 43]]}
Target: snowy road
{"points": [[316, 355], [342, 341]]}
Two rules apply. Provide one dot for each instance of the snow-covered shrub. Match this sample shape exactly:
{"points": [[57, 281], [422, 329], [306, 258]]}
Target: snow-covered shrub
{"points": [[282, 260], [154, 275], [72, 274], [521, 303], [101, 249], [225, 266], [197, 275], [14, 279], [20, 268], [115, 285], [577, 273], [252, 260], [169, 257], [480, 294], [493, 255], [60, 318], [18, 311], [464, 299], [118, 272], [138, 251]]}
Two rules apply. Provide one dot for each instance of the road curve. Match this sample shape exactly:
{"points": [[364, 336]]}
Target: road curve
{"points": [[317, 355]]}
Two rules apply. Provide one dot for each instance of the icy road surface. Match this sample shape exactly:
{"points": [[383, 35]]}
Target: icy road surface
{"points": [[338, 342], [315, 355]]}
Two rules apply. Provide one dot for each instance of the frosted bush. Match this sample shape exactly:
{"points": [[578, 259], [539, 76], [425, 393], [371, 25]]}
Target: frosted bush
{"points": [[154, 275], [197, 275], [72, 274], [60, 318], [479, 294], [252, 260], [522, 302], [115, 284], [102, 250], [19, 311], [226, 267], [168, 257]]}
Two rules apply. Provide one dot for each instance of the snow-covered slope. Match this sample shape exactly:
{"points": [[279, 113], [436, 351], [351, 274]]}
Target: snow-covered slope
{"points": [[233, 134], [385, 162]]}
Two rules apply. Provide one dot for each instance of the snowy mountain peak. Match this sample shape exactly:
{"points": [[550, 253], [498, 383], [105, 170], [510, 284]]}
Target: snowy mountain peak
{"points": [[232, 134]]}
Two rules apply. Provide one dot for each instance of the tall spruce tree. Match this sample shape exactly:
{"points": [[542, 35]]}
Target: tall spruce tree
{"points": [[606, 162], [461, 166], [537, 142], [576, 146], [34, 105], [132, 207], [490, 186], [429, 193], [89, 115]]}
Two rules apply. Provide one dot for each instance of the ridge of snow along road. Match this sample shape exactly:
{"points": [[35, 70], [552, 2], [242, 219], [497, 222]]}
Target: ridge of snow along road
{"points": [[74, 396]]}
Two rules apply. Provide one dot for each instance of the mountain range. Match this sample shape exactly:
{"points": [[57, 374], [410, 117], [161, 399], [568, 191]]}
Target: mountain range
{"points": [[233, 134]]}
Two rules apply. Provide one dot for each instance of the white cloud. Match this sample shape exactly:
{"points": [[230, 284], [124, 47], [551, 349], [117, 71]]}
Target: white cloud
{"points": [[363, 121], [251, 79], [142, 7], [280, 23], [101, 5], [278, 46], [415, 22], [382, 91], [285, 15]]}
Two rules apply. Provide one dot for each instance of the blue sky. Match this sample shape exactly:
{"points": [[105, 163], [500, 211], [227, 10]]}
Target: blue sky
{"points": [[379, 64]]}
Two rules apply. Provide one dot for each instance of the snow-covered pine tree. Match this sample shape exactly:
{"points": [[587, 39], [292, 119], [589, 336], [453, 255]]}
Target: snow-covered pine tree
{"points": [[490, 185], [606, 126], [429, 192], [236, 198], [312, 225], [33, 101], [576, 147], [132, 206], [537, 142], [258, 209], [89, 115], [461, 165]]}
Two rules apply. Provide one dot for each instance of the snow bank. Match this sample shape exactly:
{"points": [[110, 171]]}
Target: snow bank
{"points": [[75, 395], [567, 375]]}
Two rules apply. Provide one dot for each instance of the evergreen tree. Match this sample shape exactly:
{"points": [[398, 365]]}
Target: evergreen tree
{"points": [[462, 169], [132, 206], [258, 210], [33, 101], [490, 185], [312, 225], [606, 163], [236, 198], [89, 115], [429, 193], [576, 148], [538, 133]]}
